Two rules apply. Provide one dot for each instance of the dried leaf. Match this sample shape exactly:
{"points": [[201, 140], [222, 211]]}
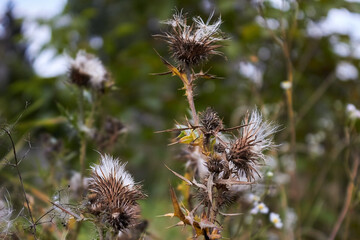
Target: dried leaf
{"points": [[167, 215], [177, 210], [199, 185], [177, 225], [180, 176], [230, 214], [173, 69]]}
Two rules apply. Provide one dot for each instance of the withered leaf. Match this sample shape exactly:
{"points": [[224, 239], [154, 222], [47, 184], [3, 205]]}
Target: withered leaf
{"points": [[180, 176]]}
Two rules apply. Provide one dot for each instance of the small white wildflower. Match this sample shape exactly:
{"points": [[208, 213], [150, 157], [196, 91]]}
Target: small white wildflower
{"points": [[269, 174], [87, 70], [286, 85], [352, 112], [110, 167], [259, 207], [275, 219], [346, 71], [253, 198]]}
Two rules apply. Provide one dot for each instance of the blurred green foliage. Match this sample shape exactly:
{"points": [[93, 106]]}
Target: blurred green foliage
{"points": [[121, 33]]}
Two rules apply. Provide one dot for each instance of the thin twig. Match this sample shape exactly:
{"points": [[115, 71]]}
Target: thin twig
{"points": [[316, 96], [349, 194], [16, 165], [285, 44], [100, 231], [83, 144]]}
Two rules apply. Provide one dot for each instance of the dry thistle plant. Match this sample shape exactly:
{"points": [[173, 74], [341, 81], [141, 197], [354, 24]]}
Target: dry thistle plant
{"points": [[216, 162], [86, 70], [113, 194], [189, 46], [91, 80]]}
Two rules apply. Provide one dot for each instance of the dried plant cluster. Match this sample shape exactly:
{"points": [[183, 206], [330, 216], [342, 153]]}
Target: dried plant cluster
{"points": [[112, 194], [195, 43], [217, 160]]}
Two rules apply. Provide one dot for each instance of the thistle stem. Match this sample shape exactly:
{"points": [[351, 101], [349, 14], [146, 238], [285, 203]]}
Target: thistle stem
{"points": [[100, 231], [349, 194], [83, 144], [189, 93], [289, 97]]}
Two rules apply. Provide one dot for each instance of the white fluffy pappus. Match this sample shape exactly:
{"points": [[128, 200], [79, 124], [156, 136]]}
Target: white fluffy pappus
{"points": [[112, 167], [207, 30], [5, 216], [92, 66], [259, 132]]}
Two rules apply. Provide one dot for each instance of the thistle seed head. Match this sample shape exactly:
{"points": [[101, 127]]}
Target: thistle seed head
{"points": [[192, 44], [211, 121], [86, 70], [113, 194], [246, 151], [215, 164]]}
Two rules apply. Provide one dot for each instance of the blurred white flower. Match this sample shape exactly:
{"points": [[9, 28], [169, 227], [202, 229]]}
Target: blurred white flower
{"points": [[290, 219], [269, 174], [352, 112], [88, 70], [275, 219], [286, 85], [252, 198], [252, 72], [346, 71], [259, 207]]}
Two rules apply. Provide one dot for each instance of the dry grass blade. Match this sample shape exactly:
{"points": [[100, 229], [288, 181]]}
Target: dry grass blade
{"points": [[230, 214], [233, 182]]}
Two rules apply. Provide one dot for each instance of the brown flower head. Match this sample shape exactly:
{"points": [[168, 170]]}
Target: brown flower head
{"points": [[246, 151], [113, 194], [86, 70], [192, 44], [215, 164], [211, 121]]}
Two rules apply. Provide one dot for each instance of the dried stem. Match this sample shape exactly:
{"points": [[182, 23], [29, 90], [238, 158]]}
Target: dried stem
{"points": [[16, 166], [100, 231], [83, 144], [189, 93], [289, 96], [285, 44], [316, 96], [349, 194]]}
